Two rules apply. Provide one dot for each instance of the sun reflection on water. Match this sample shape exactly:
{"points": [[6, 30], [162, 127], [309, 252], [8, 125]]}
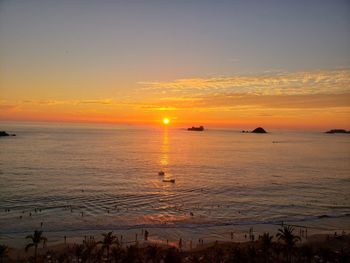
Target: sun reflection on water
{"points": [[165, 148]]}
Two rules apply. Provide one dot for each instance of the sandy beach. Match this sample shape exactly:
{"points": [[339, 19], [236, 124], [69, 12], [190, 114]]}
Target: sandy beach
{"points": [[315, 248]]}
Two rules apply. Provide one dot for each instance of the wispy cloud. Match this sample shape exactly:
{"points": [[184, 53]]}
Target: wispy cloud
{"points": [[281, 83], [303, 95], [66, 102]]}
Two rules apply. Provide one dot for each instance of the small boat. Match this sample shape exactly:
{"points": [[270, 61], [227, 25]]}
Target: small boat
{"points": [[169, 180], [161, 173], [200, 128]]}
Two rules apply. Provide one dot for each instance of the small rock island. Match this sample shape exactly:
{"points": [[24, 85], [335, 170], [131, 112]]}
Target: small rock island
{"points": [[200, 128], [3, 133], [259, 130], [337, 131]]}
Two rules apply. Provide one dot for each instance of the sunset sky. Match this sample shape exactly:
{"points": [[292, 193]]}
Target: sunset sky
{"points": [[279, 64]]}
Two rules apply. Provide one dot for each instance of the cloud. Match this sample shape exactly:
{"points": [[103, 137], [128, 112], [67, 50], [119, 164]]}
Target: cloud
{"points": [[278, 101], [66, 102], [8, 107], [278, 83], [100, 101]]}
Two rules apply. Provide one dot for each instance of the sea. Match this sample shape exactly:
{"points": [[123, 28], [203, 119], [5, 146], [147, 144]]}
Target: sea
{"points": [[81, 180]]}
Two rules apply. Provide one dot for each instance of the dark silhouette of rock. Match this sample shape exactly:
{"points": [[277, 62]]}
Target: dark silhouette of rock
{"points": [[337, 131], [3, 133], [259, 130], [200, 128]]}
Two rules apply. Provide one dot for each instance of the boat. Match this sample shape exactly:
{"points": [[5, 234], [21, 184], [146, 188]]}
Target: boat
{"points": [[169, 180], [161, 173], [193, 128]]}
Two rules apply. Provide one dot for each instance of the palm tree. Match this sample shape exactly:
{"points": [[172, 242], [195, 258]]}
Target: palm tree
{"points": [[306, 253], [286, 235], [89, 247], [251, 253], [62, 257], [326, 254], [153, 253], [172, 256], [266, 244], [36, 239], [108, 240], [78, 252], [237, 254], [3, 252], [117, 253], [132, 254]]}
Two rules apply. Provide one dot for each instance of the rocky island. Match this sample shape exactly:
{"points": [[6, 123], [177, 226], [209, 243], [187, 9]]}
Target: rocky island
{"points": [[200, 128], [259, 130], [338, 131], [3, 133]]}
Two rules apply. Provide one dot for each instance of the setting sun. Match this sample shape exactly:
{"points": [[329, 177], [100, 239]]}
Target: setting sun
{"points": [[166, 121]]}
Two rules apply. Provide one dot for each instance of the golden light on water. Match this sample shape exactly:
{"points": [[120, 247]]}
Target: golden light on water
{"points": [[166, 121]]}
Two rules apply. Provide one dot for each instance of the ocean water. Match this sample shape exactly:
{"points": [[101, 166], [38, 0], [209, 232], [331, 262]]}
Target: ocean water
{"points": [[83, 179]]}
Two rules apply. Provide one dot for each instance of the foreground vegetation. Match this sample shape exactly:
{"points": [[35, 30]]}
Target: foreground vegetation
{"points": [[284, 247]]}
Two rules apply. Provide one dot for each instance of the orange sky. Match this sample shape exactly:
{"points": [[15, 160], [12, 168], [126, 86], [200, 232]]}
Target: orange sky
{"points": [[137, 63], [318, 99]]}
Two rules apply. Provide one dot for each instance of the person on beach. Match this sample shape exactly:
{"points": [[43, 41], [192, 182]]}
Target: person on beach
{"points": [[146, 235]]}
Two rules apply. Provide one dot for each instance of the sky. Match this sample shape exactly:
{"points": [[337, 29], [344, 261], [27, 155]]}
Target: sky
{"points": [[278, 64]]}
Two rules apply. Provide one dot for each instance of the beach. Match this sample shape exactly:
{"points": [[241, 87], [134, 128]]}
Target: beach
{"points": [[318, 247]]}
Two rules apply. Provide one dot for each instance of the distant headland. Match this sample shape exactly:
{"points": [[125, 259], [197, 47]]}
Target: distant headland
{"points": [[337, 131]]}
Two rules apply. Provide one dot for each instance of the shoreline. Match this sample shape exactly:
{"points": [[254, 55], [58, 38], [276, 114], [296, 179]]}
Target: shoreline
{"points": [[171, 234], [316, 241]]}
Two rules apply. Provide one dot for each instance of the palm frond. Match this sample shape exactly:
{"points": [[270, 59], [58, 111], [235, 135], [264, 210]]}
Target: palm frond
{"points": [[28, 246], [30, 237]]}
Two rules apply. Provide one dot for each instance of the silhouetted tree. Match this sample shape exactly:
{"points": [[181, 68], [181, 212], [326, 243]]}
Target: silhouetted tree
{"points": [[132, 255], [62, 257], [305, 253], [36, 239], [237, 254], [78, 252], [89, 247], [172, 256], [153, 253], [266, 244], [3, 252], [98, 256], [286, 235], [326, 254], [251, 254], [108, 240], [117, 254]]}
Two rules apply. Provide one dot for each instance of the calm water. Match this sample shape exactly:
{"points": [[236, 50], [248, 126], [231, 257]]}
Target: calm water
{"points": [[88, 179]]}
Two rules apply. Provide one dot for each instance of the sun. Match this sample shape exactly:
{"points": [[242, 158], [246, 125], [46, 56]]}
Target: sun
{"points": [[166, 121]]}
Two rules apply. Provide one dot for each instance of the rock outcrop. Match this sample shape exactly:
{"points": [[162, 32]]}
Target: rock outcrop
{"points": [[3, 133], [259, 130], [337, 131], [200, 128]]}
